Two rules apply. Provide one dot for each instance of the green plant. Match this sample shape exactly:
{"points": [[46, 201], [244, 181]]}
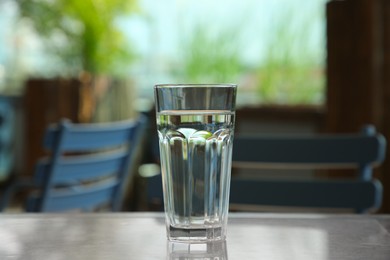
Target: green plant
{"points": [[82, 33], [291, 72], [210, 57]]}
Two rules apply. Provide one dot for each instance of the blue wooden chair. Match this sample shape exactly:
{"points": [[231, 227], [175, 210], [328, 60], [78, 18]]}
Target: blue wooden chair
{"points": [[360, 151], [7, 125], [88, 167]]}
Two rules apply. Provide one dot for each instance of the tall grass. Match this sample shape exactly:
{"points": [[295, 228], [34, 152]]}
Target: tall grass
{"points": [[292, 70], [208, 56], [289, 71]]}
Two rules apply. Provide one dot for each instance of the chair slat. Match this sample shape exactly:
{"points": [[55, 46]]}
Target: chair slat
{"points": [[345, 149], [87, 137], [81, 168], [349, 194], [81, 198]]}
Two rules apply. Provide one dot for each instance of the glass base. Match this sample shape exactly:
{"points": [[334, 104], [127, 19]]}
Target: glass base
{"points": [[195, 234], [215, 250]]}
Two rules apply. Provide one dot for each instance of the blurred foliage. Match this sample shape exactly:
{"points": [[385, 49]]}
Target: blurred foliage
{"points": [[210, 57], [82, 33], [291, 71]]}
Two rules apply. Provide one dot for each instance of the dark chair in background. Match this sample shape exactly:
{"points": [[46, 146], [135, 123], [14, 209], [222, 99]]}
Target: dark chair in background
{"points": [[359, 151], [88, 167], [7, 132]]}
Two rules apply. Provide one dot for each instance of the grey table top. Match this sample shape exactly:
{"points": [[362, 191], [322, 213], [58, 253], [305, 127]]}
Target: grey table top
{"points": [[142, 236]]}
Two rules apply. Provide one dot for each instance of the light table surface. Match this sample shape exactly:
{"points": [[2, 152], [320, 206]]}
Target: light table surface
{"points": [[143, 236]]}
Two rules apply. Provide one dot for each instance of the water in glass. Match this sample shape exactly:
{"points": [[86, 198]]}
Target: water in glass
{"points": [[195, 149]]}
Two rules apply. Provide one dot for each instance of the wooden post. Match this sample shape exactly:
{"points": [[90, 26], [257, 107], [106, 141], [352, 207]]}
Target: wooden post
{"points": [[358, 90], [46, 101], [354, 65], [386, 101]]}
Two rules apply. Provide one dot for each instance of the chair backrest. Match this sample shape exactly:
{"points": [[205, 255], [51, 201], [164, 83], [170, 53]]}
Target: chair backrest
{"points": [[7, 136], [88, 166], [361, 151]]}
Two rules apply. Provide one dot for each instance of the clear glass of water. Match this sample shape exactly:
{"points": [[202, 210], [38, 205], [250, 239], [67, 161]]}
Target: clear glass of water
{"points": [[195, 124]]}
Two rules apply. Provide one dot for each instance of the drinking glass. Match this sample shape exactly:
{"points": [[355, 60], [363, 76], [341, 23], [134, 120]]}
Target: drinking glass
{"points": [[195, 124]]}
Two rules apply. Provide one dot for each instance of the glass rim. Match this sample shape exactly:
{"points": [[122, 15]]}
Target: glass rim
{"points": [[217, 85]]}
